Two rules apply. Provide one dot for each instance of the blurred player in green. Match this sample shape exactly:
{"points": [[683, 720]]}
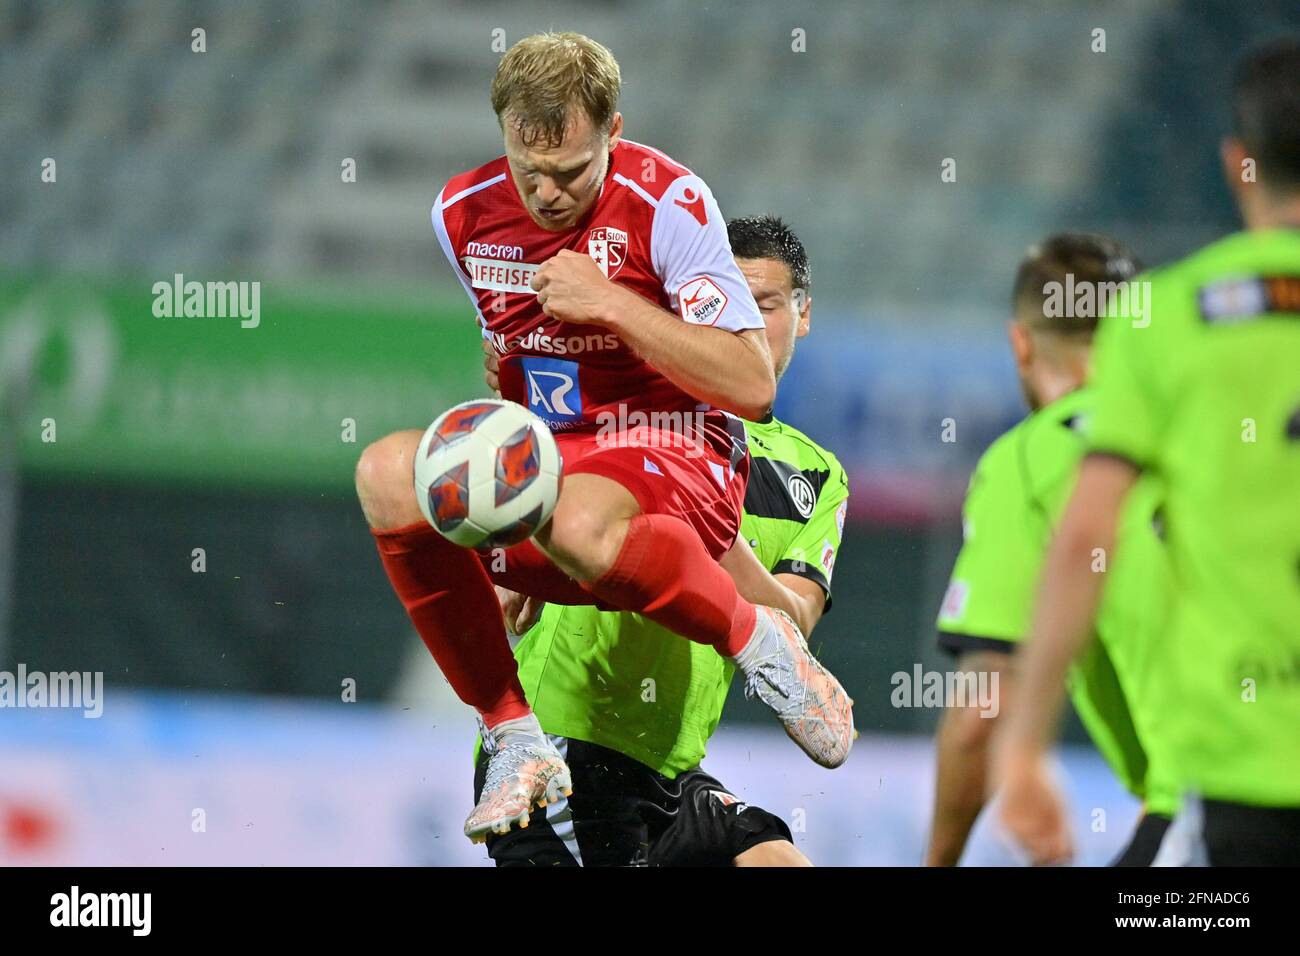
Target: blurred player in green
{"points": [[1015, 499], [630, 705], [1204, 394]]}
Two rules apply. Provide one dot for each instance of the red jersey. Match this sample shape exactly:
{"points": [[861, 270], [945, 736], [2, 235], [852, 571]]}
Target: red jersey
{"points": [[655, 228]]}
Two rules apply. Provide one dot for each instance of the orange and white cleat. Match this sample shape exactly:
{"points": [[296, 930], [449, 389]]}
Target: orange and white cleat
{"points": [[781, 672], [524, 770]]}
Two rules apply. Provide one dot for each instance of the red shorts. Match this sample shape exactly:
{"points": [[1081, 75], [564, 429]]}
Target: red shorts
{"points": [[700, 481]]}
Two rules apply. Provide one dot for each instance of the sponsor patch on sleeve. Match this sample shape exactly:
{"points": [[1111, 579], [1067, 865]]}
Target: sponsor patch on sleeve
{"points": [[828, 558], [701, 301], [954, 601], [1237, 300]]}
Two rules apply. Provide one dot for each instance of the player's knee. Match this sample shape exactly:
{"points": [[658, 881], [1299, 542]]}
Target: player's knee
{"points": [[584, 540], [385, 481], [772, 853]]}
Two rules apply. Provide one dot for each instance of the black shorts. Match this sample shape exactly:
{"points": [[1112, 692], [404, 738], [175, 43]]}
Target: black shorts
{"points": [[1241, 835], [622, 813], [1142, 848]]}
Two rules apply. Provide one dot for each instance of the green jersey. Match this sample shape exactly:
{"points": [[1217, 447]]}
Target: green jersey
{"points": [[621, 681], [1204, 392], [1016, 498]]}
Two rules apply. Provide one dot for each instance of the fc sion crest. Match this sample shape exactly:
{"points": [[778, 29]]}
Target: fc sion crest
{"points": [[608, 247]]}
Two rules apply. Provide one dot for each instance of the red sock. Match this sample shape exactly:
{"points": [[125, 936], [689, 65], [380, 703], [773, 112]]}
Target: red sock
{"points": [[664, 572], [452, 604]]}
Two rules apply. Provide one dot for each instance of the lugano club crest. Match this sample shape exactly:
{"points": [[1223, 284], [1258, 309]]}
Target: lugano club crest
{"points": [[608, 247]]}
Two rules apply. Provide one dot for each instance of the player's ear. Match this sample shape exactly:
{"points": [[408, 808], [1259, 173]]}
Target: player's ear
{"points": [[1232, 153], [616, 130], [804, 303], [1022, 343]]}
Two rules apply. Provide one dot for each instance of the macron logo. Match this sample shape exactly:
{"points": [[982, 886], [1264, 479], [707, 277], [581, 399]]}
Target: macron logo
{"points": [[495, 250], [693, 202]]}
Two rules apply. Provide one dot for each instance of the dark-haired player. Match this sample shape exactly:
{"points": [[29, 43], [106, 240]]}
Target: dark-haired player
{"points": [[632, 705], [600, 273], [1016, 495], [1204, 394]]}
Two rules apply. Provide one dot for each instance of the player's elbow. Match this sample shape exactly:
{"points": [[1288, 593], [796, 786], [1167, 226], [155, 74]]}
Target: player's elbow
{"points": [[809, 612], [754, 399]]}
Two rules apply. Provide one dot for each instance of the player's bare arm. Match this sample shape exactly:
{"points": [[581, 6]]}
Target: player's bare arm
{"points": [[802, 599], [1067, 603], [732, 370]]}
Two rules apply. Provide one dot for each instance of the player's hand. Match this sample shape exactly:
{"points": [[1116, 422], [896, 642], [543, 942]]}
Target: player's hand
{"points": [[491, 367], [519, 610], [1032, 809], [570, 287]]}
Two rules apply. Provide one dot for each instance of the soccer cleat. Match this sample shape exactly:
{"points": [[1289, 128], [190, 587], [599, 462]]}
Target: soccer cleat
{"points": [[524, 770], [781, 672]]}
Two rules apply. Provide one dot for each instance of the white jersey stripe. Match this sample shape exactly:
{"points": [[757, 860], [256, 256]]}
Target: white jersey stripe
{"points": [[444, 240], [620, 178], [472, 190]]}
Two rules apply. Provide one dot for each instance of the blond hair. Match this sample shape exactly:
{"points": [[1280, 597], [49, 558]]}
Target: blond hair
{"points": [[542, 77]]}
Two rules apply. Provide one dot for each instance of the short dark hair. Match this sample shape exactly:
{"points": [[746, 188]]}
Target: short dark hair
{"points": [[769, 237], [1088, 257], [1266, 110]]}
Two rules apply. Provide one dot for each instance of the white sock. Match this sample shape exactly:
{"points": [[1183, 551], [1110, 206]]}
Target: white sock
{"points": [[756, 646], [527, 725]]}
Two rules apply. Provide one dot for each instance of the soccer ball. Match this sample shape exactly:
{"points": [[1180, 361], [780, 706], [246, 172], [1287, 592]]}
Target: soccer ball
{"points": [[487, 473]]}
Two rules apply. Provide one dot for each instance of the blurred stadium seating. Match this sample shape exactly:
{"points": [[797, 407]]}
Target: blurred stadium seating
{"points": [[226, 164]]}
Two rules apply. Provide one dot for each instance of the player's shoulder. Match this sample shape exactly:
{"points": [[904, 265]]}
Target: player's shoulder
{"points": [[1012, 466], [1050, 444], [1058, 426], [1003, 453], [1230, 277], [1228, 252], [1233, 257], [472, 182], [778, 439], [647, 171]]}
